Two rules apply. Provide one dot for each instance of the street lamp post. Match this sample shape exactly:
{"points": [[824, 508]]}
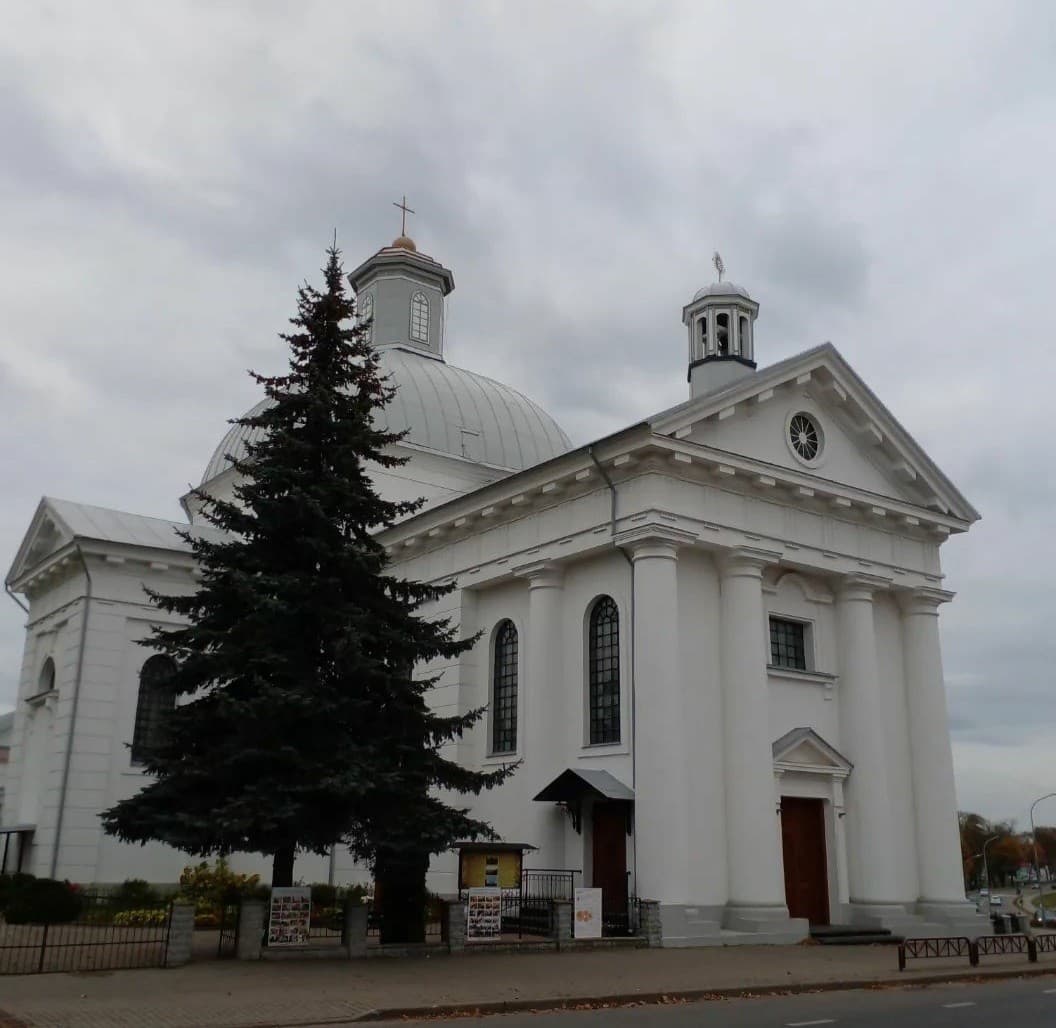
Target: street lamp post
{"points": [[1034, 843], [986, 871]]}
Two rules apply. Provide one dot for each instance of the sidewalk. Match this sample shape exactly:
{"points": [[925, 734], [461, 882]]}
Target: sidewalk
{"points": [[251, 995]]}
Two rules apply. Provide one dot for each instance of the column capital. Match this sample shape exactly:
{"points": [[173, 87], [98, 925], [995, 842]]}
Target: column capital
{"points": [[924, 601], [542, 574], [654, 540], [860, 587], [745, 561]]}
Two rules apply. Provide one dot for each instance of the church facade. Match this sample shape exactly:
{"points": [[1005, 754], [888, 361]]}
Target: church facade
{"points": [[710, 639]]}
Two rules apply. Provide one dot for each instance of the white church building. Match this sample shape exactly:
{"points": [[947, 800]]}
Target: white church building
{"points": [[711, 638]]}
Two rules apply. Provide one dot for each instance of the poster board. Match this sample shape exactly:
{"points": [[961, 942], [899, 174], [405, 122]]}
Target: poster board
{"points": [[586, 914], [483, 914], [480, 869], [290, 917]]}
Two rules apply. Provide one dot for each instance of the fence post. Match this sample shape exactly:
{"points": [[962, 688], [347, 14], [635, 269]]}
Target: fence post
{"points": [[250, 938], [455, 925], [354, 929], [973, 952], [563, 923], [651, 925], [1032, 950], [902, 956], [181, 935]]}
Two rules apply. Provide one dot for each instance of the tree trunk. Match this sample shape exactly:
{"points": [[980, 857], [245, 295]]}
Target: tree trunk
{"points": [[282, 867], [401, 888]]}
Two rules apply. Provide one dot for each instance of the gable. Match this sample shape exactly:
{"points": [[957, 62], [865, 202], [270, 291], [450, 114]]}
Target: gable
{"points": [[864, 445], [803, 749], [46, 535], [848, 455]]}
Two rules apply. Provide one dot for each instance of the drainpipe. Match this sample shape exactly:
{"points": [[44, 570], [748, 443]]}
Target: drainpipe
{"points": [[630, 563], [73, 713]]}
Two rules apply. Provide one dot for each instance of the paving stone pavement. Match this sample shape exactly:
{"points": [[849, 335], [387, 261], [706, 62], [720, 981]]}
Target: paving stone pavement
{"points": [[229, 994]]}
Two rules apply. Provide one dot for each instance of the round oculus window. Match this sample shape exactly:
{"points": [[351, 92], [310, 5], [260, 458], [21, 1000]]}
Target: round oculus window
{"points": [[804, 436]]}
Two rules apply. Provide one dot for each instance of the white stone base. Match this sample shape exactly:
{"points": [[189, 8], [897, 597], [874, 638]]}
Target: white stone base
{"points": [[957, 918], [684, 925], [896, 918], [766, 924]]}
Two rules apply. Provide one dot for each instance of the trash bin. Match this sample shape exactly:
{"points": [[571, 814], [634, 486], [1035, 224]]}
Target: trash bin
{"points": [[1000, 925], [1018, 923]]}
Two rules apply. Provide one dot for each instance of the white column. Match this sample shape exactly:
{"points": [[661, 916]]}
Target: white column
{"points": [[938, 837], [661, 784], [756, 875], [546, 703], [872, 846]]}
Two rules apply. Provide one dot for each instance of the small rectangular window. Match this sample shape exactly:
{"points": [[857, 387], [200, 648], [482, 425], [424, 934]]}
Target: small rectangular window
{"points": [[788, 644]]}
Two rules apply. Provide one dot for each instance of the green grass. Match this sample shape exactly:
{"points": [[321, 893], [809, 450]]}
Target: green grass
{"points": [[1049, 899]]}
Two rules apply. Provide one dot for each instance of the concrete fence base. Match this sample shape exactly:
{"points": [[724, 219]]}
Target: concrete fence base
{"points": [[181, 935]]}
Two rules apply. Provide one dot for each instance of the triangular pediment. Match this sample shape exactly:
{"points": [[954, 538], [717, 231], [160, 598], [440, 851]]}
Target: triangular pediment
{"points": [[803, 749], [862, 445], [48, 533]]}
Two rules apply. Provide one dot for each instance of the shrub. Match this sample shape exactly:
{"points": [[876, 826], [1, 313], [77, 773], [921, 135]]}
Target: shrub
{"points": [[146, 918], [44, 901], [134, 894], [324, 895], [11, 885], [216, 885]]}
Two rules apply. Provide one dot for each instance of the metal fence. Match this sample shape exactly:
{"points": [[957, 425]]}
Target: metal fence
{"points": [[105, 936], [227, 944], [434, 927]]}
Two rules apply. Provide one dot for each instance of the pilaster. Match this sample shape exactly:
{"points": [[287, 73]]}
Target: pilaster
{"points": [[870, 826], [938, 838], [756, 877]]}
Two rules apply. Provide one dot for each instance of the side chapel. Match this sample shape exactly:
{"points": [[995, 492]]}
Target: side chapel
{"points": [[711, 638]]}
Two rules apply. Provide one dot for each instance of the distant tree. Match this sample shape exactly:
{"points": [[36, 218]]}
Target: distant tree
{"points": [[305, 724]]}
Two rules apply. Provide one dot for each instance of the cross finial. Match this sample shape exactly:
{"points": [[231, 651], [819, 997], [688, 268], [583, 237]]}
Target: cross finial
{"points": [[719, 266], [406, 210]]}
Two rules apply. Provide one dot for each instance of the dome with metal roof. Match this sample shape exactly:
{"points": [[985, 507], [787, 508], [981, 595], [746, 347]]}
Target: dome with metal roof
{"points": [[445, 410], [721, 289]]}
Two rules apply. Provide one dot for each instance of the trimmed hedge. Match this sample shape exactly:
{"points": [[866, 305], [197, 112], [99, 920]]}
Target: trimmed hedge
{"points": [[41, 901]]}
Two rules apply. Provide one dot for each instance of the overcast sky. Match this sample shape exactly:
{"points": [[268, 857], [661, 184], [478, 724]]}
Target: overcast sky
{"points": [[879, 175]]}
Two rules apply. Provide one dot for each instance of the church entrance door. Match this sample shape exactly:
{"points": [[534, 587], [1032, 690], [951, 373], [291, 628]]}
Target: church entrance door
{"points": [[610, 858], [806, 870]]}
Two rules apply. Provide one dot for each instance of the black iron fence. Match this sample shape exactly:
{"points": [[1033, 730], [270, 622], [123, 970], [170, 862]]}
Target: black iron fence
{"points": [[227, 944], [105, 935]]}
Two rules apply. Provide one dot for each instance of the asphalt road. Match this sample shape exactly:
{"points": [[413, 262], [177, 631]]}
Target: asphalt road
{"points": [[1026, 1003]]}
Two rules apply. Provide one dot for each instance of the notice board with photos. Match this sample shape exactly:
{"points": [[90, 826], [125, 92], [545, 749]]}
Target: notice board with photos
{"points": [[290, 920], [483, 914], [586, 916]]}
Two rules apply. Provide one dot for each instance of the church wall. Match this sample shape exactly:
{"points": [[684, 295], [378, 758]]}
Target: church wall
{"points": [[896, 734]]}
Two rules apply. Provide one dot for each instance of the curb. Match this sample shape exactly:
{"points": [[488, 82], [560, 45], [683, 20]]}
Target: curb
{"points": [[635, 999]]}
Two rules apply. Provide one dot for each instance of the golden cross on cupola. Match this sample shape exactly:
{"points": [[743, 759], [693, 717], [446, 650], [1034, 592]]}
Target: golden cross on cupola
{"points": [[406, 210], [719, 266]]}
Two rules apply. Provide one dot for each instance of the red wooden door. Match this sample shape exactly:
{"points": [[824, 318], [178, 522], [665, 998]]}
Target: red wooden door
{"points": [[806, 869], [610, 856]]}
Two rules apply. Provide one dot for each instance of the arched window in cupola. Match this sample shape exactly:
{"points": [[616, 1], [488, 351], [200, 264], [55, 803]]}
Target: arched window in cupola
{"points": [[702, 328], [722, 334], [157, 698], [744, 335], [366, 315], [419, 318]]}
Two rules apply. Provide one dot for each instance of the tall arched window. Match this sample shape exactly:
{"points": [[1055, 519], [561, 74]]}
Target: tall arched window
{"points": [[705, 343], [504, 690], [156, 700], [745, 334], [46, 682], [419, 318], [604, 671]]}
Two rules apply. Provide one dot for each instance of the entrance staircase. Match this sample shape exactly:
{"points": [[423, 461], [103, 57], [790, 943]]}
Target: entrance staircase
{"points": [[853, 935]]}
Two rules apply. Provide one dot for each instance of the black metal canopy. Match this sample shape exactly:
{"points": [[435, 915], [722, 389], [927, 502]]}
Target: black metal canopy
{"points": [[575, 785]]}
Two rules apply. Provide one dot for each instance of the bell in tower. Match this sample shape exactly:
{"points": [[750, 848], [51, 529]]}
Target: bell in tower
{"points": [[720, 319]]}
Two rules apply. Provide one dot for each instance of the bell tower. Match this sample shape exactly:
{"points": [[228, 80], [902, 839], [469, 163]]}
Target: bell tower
{"points": [[720, 320], [402, 293]]}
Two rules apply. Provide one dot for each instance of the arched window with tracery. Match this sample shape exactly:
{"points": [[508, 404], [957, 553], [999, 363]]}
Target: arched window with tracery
{"points": [[419, 318], [157, 698], [504, 690], [603, 644]]}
